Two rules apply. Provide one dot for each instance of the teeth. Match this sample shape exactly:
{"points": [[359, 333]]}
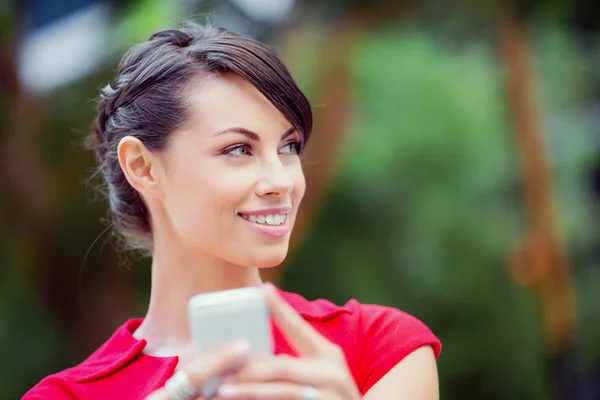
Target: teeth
{"points": [[273, 220]]}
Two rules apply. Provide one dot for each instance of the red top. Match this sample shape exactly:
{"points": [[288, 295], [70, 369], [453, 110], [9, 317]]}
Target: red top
{"points": [[373, 338]]}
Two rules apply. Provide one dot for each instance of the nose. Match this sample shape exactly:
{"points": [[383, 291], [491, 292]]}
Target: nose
{"points": [[276, 180]]}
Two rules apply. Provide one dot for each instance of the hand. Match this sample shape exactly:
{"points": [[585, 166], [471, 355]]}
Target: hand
{"points": [[320, 373], [213, 364]]}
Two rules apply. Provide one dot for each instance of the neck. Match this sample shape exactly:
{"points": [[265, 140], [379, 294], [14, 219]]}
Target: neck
{"points": [[176, 277]]}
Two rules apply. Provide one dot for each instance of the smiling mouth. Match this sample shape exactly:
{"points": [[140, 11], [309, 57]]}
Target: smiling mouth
{"points": [[269, 220]]}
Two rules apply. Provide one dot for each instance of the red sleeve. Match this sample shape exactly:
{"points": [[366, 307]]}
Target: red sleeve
{"points": [[50, 389], [386, 336]]}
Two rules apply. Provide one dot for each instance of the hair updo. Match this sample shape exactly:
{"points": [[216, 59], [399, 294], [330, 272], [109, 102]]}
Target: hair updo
{"points": [[147, 100]]}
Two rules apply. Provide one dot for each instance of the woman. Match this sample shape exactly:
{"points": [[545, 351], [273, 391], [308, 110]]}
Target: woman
{"points": [[198, 139]]}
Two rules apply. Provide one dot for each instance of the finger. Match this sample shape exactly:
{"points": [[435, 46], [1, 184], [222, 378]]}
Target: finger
{"points": [[310, 372], [217, 362], [305, 339], [160, 394], [273, 391], [214, 363]]}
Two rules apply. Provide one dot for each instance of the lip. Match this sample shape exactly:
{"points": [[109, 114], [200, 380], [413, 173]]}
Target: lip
{"points": [[270, 230]]}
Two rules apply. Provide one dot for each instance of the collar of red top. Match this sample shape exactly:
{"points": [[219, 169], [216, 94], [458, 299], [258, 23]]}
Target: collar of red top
{"points": [[122, 346]]}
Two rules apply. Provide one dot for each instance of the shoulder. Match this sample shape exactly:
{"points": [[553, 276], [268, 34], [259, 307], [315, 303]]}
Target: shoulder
{"points": [[374, 338], [365, 321], [395, 328]]}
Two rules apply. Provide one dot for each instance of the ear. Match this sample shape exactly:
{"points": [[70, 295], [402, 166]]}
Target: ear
{"points": [[138, 166]]}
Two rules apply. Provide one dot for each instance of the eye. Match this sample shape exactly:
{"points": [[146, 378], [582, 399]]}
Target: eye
{"points": [[292, 147], [239, 150]]}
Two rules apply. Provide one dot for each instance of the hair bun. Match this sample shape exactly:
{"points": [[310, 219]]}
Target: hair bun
{"points": [[173, 36]]}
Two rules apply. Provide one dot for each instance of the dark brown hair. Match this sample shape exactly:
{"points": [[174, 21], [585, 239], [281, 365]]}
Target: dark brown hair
{"points": [[147, 100]]}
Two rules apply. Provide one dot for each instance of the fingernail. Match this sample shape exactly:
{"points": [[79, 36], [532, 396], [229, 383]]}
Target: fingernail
{"points": [[269, 287], [227, 391], [241, 347]]}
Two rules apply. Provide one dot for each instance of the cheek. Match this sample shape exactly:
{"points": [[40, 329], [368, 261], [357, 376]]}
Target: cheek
{"points": [[200, 202], [299, 183]]}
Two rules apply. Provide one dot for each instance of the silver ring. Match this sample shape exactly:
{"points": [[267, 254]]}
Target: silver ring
{"points": [[179, 387], [310, 393]]}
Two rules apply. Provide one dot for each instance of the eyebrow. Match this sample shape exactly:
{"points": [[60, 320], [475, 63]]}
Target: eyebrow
{"points": [[251, 135]]}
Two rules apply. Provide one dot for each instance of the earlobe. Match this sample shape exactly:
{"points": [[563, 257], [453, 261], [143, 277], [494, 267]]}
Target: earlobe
{"points": [[136, 162]]}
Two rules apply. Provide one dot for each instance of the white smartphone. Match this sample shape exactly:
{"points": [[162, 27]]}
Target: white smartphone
{"points": [[220, 317]]}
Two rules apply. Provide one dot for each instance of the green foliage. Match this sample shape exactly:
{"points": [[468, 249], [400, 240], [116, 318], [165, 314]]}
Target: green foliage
{"points": [[29, 343], [568, 103], [144, 17]]}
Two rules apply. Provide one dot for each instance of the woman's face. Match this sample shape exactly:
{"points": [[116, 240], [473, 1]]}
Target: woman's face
{"points": [[233, 180]]}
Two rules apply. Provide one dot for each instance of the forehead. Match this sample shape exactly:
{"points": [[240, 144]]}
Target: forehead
{"points": [[217, 103]]}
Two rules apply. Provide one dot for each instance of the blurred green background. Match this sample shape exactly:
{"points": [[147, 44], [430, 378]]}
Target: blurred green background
{"points": [[453, 173]]}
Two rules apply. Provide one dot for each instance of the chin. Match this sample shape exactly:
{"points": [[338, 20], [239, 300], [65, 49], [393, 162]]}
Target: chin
{"points": [[263, 261]]}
